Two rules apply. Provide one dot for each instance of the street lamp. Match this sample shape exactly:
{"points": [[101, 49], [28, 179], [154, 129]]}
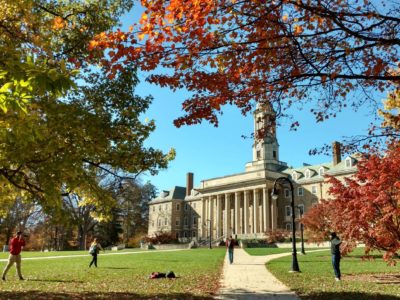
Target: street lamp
{"points": [[274, 194], [209, 221], [301, 229]]}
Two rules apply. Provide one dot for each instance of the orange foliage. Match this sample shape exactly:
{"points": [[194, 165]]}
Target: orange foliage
{"points": [[241, 52]]}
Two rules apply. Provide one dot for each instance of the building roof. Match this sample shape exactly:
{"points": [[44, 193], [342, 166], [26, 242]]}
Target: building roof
{"points": [[329, 169], [176, 193]]}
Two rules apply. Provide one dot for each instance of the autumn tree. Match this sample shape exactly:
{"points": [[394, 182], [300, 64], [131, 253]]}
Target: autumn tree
{"points": [[44, 43], [61, 145], [366, 207], [242, 52]]}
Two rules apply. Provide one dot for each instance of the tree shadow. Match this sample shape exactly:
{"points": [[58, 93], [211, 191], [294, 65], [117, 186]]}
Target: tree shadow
{"points": [[37, 295], [348, 296], [55, 280]]}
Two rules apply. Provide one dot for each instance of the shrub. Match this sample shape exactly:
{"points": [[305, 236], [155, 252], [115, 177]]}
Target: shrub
{"points": [[277, 236], [161, 238]]}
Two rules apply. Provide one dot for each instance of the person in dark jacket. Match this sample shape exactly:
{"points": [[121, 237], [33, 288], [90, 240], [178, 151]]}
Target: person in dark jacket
{"points": [[335, 251], [230, 245], [94, 250], [16, 245]]}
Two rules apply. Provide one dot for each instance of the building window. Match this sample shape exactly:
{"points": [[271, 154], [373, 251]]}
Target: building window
{"points": [[314, 189], [194, 234], [294, 176], [154, 208], [186, 206], [301, 209], [177, 221], [159, 222], [288, 226], [165, 221], [185, 234], [287, 193], [194, 205], [178, 207], [177, 235], [159, 207], [300, 191], [194, 220], [308, 174], [274, 154], [321, 171], [185, 221], [288, 211], [258, 154], [348, 162]]}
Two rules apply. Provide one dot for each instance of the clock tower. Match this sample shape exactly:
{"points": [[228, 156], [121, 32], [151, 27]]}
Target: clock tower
{"points": [[265, 146]]}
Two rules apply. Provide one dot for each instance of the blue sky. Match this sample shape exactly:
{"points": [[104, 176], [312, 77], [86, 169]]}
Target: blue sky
{"points": [[212, 152]]}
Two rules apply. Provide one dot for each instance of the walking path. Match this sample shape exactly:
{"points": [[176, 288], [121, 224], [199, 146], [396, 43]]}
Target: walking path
{"points": [[248, 278]]}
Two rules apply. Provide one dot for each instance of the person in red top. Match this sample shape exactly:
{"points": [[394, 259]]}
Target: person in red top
{"points": [[15, 245]]}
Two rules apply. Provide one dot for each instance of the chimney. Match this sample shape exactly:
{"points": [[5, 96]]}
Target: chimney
{"points": [[337, 156], [189, 183]]}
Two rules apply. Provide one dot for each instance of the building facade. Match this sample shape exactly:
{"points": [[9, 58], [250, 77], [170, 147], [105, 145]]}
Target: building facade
{"points": [[241, 204]]}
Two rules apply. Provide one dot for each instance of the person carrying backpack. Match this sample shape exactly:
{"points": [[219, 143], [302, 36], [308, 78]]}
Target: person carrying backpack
{"points": [[94, 250], [230, 245]]}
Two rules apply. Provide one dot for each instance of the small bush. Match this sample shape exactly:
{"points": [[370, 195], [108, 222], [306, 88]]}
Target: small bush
{"points": [[161, 238], [277, 236]]}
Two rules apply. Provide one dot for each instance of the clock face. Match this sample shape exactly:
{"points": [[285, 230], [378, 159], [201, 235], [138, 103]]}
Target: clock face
{"points": [[259, 145]]}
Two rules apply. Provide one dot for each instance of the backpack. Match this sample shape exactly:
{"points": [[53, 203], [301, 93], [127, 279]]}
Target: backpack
{"points": [[93, 249], [170, 274]]}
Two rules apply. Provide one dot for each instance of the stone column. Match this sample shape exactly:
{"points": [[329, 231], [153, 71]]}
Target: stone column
{"points": [[218, 216], [255, 212], [225, 216], [203, 218], [274, 214], [228, 214], [237, 212], [210, 215], [265, 209], [246, 212]]}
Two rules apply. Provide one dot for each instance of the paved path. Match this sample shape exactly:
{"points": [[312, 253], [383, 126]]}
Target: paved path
{"points": [[248, 278]]}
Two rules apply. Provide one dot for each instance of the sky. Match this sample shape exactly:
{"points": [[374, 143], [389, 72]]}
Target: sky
{"points": [[210, 152]]}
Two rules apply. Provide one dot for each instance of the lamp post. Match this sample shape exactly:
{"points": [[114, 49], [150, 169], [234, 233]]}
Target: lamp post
{"points": [[209, 222], [300, 208], [274, 194]]}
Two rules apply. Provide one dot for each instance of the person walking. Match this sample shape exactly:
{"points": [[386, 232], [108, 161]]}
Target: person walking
{"points": [[230, 245], [94, 250], [335, 251], [16, 245]]}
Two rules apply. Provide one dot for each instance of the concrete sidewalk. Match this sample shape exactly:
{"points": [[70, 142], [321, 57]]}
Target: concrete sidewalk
{"points": [[248, 278]]}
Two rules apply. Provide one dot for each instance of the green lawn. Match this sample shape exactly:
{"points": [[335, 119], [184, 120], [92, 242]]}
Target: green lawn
{"points": [[119, 277], [26, 254], [268, 251], [361, 279]]}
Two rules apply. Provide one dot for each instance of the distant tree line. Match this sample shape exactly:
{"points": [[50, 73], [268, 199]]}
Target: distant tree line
{"points": [[74, 224]]}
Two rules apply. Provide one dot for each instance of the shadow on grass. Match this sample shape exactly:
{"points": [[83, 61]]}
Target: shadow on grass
{"points": [[54, 280], [348, 296], [117, 268], [93, 295]]}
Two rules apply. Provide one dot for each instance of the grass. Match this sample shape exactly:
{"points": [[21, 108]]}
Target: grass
{"points": [[119, 277], [29, 254], [268, 251], [361, 279]]}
